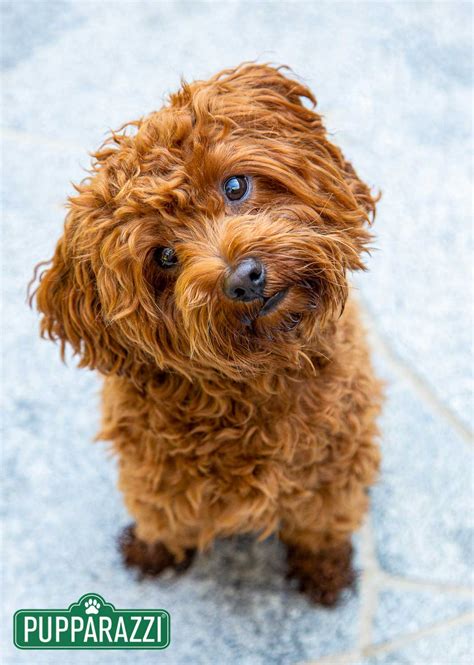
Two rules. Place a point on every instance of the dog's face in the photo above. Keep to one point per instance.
(217, 236)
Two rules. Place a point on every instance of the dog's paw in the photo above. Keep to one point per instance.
(322, 575)
(150, 560)
(92, 606)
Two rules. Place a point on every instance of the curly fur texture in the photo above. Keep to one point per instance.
(225, 421)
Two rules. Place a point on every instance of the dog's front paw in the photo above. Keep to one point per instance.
(322, 575)
(152, 559)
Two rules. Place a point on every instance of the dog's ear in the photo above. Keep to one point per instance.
(326, 180)
(354, 212)
(67, 294)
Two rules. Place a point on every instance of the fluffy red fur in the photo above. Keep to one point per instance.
(226, 420)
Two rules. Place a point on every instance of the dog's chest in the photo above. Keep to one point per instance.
(230, 449)
(216, 457)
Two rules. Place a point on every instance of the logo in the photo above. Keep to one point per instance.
(91, 623)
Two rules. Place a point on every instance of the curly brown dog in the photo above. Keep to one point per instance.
(203, 271)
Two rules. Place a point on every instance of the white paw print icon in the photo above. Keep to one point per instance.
(92, 606)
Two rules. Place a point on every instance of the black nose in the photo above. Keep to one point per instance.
(246, 281)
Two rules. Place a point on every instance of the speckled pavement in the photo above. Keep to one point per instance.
(394, 83)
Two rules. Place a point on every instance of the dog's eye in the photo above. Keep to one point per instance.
(166, 257)
(236, 187)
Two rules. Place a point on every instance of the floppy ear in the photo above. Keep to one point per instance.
(290, 93)
(67, 295)
(359, 190)
(350, 206)
(324, 180)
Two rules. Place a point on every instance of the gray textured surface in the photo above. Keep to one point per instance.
(394, 83)
(402, 612)
(423, 519)
(451, 646)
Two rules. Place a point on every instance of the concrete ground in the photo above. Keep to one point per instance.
(393, 81)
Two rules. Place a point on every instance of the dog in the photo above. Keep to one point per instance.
(203, 271)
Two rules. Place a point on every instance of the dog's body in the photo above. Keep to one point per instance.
(237, 396)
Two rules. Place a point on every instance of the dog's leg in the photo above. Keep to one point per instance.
(322, 575)
(158, 539)
(317, 532)
(151, 558)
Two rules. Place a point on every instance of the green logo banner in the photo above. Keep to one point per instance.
(91, 623)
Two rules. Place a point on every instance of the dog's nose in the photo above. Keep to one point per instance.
(246, 281)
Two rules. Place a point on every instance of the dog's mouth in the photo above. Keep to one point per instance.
(271, 303)
(268, 305)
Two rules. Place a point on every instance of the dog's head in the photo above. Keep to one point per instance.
(218, 234)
